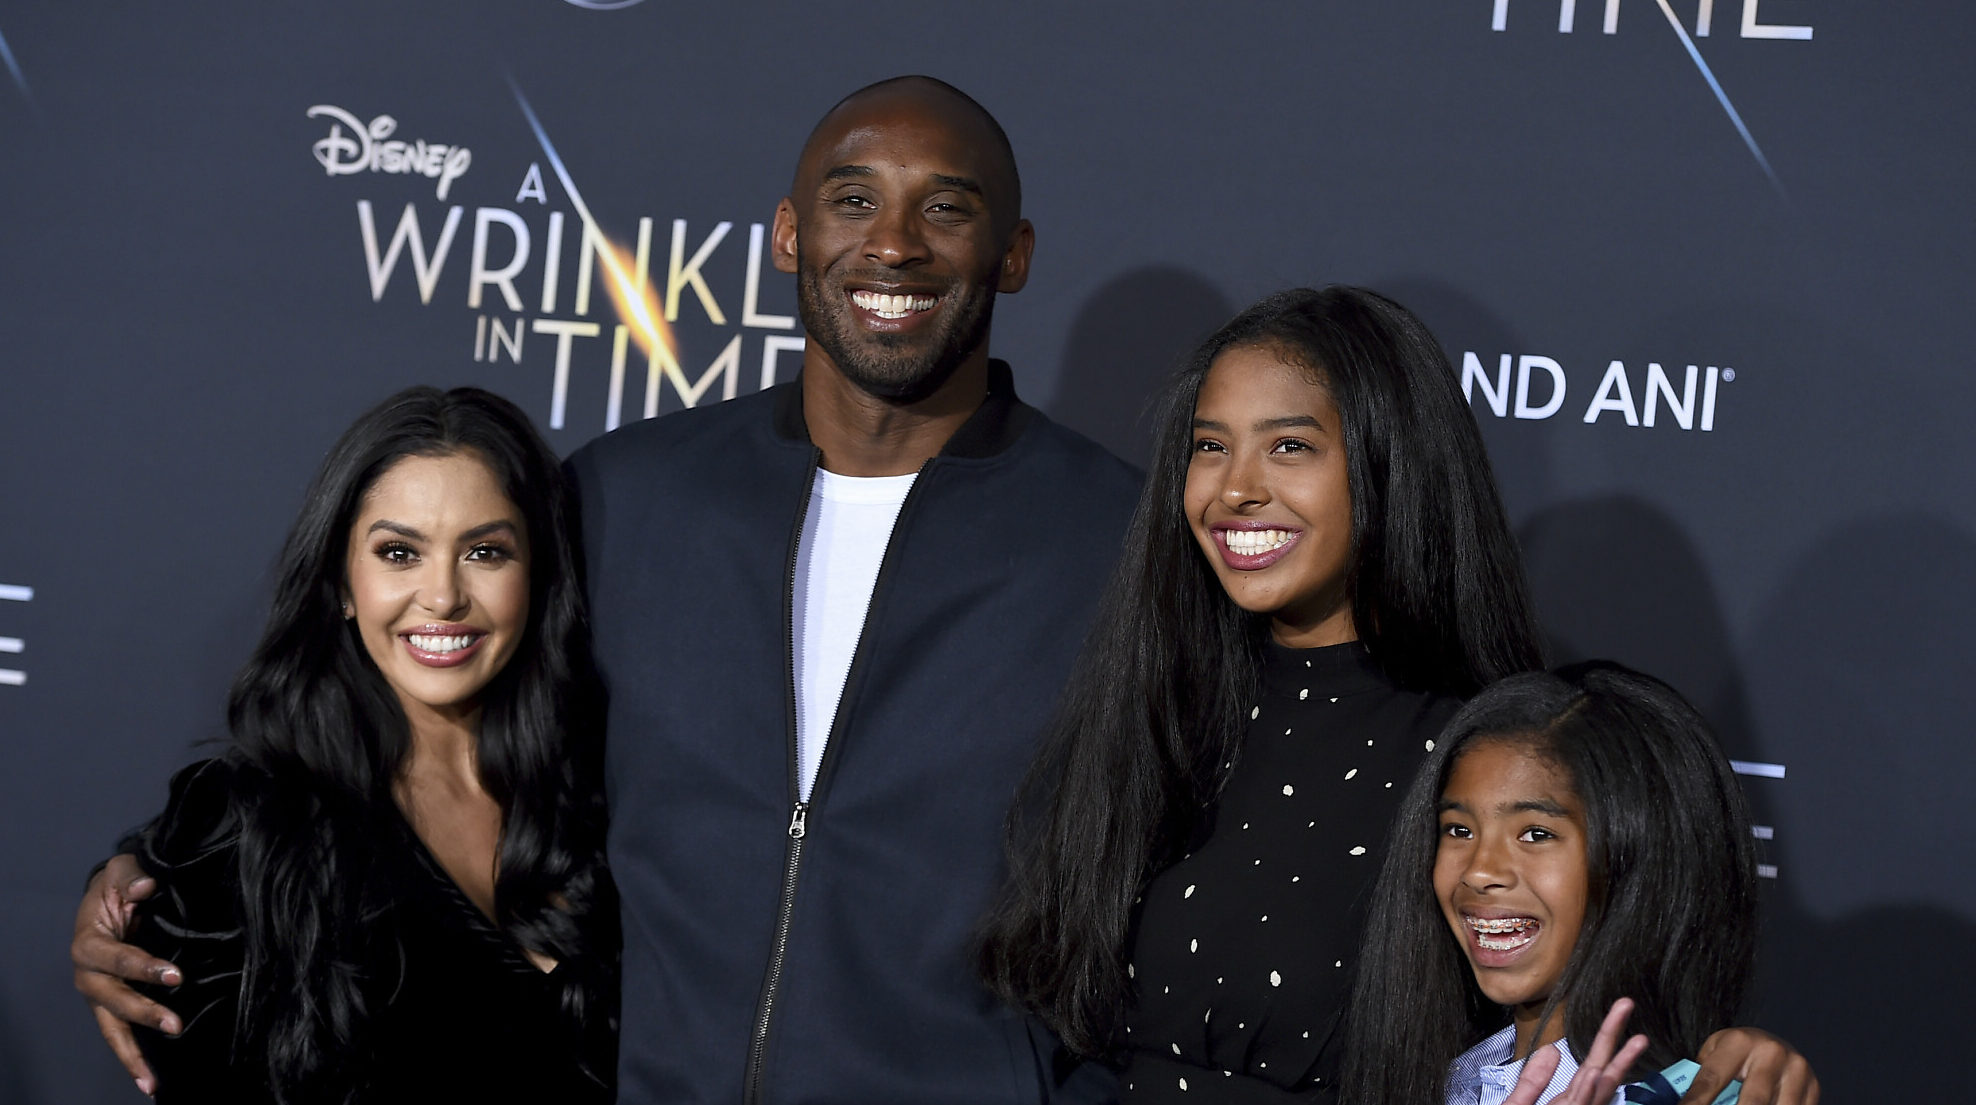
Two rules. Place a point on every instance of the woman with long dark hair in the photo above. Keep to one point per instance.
(390, 886)
(1319, 571)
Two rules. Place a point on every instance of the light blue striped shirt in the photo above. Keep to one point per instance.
(1485, 1074)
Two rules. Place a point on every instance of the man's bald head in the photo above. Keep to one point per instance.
(922, 97)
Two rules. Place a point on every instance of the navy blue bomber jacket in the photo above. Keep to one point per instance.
(794, 953)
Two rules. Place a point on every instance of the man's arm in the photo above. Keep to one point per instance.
(105, 964)
(1771, 1070)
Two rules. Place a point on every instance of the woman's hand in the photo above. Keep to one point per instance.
(104, 961)
(1598, 1077)
(1771, 1070)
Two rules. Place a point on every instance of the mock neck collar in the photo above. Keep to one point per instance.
(992, 428)
(1332, 669)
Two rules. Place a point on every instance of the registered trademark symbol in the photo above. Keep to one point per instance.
(1728, 375)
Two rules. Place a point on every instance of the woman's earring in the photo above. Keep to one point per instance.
(348, 612)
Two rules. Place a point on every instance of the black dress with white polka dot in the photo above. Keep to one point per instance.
(1243, 950)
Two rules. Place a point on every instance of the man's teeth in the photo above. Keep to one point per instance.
(1502, 934)
(893, 306)
(427, 643)
(1254, 542)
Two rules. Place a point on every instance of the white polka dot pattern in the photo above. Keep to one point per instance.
(1255, 901)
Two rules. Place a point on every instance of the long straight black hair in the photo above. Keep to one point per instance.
(1153, 709)
(1670, 911)
(319, 738)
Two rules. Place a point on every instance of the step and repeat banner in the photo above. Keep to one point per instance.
(1705, 268)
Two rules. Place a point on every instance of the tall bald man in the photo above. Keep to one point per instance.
(833, 618)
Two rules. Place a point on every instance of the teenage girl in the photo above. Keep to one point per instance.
(1575, 838)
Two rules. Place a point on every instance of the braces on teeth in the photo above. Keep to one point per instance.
(1504, 924)
(1503, 934)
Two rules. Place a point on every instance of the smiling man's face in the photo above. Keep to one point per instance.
(901, 228)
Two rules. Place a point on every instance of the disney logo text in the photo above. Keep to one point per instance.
(366, 149)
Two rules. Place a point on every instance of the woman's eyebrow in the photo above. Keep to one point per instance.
(499, 525)
(399, 528)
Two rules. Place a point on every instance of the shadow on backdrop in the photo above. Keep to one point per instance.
(1874, 735)
(1617, 579)
(1520, 459)
(1862, 968)
(1126, 339)
(13, 1061)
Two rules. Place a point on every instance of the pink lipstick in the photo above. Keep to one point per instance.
(1249, 546)
(442, 646)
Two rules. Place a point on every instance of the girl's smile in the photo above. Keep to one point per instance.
(1267, 494)
(1510, 875)
(1497, 941)
(1251, 546)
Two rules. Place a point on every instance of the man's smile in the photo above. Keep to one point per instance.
(893, 306)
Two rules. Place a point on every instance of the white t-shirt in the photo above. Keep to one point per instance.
(844, 537)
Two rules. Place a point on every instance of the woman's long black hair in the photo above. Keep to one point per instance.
(1670, 912)
(319, 738)
(1153, 709)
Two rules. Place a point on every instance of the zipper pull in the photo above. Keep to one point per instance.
(798, 823)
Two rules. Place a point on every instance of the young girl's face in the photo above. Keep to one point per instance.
(1510, 874)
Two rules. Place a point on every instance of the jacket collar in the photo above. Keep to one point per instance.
(992, 428)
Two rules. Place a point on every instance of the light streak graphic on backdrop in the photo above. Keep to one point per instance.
(14, 677)
(637, 304)
(14, 67)
(1721, 97)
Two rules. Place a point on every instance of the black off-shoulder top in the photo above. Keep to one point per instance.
(457, 1012)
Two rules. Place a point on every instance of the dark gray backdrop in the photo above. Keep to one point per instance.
(189, 320)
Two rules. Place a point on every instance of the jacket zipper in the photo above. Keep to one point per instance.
(758, 1050)
(799, 808)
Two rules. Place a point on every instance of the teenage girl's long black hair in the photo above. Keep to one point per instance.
(1670, 912)
(319, 738)
(1153, 709)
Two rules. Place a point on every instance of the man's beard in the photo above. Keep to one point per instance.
(895, 367)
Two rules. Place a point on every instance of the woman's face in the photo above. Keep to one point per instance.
(1510, 874)
(438, 581)
(1267, 495)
